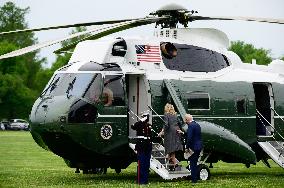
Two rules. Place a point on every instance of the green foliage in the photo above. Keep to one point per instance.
(18, 85)
(247, 52)
(13, 18)
(24, 164)
(282, 58)
(10, 65)
(15, 97)
(61, 60)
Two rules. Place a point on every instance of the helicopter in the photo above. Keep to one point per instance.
(85, 111)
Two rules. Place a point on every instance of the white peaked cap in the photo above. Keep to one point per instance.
(146, 113)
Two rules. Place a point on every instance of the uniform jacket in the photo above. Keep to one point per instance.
(194, 136)
(143, 129)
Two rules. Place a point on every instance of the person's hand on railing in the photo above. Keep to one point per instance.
(161, 133)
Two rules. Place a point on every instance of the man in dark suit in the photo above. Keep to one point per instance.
(195, 144)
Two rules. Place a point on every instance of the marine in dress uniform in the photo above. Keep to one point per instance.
(143, 148)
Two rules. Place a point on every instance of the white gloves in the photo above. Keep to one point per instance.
(143, 119)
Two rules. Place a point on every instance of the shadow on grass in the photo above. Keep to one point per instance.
(154, 178)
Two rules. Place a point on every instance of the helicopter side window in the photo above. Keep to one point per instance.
(119, 48)
(82, 112)
(198, 101)
(94, 89)
(89, 87)
(94, 66)
(195, 59)
(241, 105)
(113, 92)
(168, 50)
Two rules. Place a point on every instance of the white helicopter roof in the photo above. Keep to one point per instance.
(100, 51)
(210, 38)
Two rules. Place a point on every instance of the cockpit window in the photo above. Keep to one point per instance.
(87, 86)
(78, 84)
(52, 85)
(195, 59)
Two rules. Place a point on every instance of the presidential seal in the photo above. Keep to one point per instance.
(106, 132)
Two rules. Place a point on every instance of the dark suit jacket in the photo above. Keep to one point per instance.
(194, 136)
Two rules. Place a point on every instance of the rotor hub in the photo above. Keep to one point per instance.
(177, 15)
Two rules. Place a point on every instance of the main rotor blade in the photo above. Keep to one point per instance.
(266, 20)
(111, 31)
(99, 32)
(67, 26)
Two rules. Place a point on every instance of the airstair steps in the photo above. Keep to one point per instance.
(275, 149)
(159, 164)
(279, 146)
(175, 97)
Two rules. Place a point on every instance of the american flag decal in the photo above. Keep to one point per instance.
(148, 53)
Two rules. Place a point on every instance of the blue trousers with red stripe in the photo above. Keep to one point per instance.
(143, 166)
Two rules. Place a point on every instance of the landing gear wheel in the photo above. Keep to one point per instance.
(105, 171)
(117, 170)
(101, 170)
(77, 171)
(204, 172)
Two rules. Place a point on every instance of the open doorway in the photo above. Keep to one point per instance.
(264, 101)
(138, 99)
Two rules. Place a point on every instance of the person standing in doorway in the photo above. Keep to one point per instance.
(194, 143)
(143, 147)
(171, 132)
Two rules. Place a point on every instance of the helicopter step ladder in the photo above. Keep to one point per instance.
(175, 97)
(160, 165)
(274, 148)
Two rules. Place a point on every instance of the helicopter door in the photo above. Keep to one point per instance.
(113, 113)
(138, 98)
(264, 101)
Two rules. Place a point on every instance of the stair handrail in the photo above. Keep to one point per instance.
(270, 125)
(265, 126)
(156, 113)
(277, 113)
(282, 147)
(129, 110)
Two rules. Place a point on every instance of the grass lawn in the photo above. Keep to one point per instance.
(24, 164)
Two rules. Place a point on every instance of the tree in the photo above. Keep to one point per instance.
(282, 58)
(15, 98)
(18, 88)
(10, 65)
(247, 52)
(13, 18)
